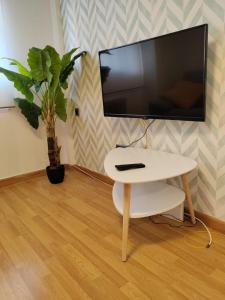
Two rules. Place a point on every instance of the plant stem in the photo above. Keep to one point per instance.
(53, 149)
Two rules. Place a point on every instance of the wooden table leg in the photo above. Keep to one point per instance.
(188, 197)
(126, 213)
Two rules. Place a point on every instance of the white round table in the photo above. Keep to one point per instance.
(141, 193)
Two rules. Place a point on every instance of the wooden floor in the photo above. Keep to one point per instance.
(64, 242)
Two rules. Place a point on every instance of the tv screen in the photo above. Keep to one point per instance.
(158, 78)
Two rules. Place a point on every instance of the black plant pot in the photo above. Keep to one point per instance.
(55, 174)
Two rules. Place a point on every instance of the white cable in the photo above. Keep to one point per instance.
(204, 225)
(206, 228)
(140, 138)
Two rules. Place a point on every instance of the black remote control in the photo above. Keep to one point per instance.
(129, 166)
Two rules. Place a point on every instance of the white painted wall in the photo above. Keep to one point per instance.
(27, 23)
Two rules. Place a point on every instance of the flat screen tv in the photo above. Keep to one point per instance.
(159, 78)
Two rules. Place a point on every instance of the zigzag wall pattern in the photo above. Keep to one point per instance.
(100, 24)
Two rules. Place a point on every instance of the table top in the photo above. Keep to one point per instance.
(159, 165)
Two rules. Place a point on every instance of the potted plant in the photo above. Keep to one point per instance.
(42, 86)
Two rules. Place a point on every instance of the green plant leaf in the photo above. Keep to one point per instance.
(37, 85)
(68, 70)
(39, 62)
(22, 70)
(55, 67)
(30, 110)
(60, 104)
(65, 74)
(21, 82)
(44, 104)
(67, 58)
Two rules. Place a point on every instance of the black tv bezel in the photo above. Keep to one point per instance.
(163, 117)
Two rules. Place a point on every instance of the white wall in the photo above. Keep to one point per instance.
(28, 23)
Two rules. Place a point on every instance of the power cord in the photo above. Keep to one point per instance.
(169, 224)
(140, 138)
(184, 225)
(206, 228)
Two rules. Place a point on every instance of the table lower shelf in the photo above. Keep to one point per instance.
(148, 199)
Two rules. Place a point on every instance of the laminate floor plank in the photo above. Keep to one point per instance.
(63, 242)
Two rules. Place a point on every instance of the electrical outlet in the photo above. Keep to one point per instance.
(77, 112)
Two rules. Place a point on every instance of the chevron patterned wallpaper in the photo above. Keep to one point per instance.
(100, 24)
